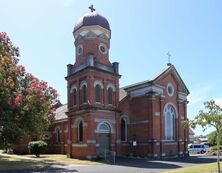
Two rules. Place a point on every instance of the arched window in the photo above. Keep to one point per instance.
(58, 135)
(80, 132)
(170, 114)
(74, 96)
(123, 129)
(84, 94)
(104, 128)
(110, 95)
(98, 93)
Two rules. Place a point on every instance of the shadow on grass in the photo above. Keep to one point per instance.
(45, 159)
(48, 170)
(19, 165)
(9, 163)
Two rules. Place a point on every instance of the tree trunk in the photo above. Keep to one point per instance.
(218, 151)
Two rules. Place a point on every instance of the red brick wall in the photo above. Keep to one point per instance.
(22, 147)
(94, 75)
(92, 46)
(151, 108)
(58, 146)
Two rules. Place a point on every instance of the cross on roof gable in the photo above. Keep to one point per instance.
(158, 77)
(167, 70)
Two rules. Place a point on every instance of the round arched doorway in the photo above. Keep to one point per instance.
(104, 131)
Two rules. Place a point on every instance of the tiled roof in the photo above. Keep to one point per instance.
(148, 82)
(122, 94)
(136, 84)
(60, 112)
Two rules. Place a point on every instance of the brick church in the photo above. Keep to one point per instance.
(143, 119)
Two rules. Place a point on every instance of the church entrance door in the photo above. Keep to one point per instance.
(104, 138)
(104, 141)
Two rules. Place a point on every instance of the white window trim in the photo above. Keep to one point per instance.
(106, 122)
(83, 83)
(77, 120)
(72, 88)
(105, 46)
(176, 116)
(110, 85)
(170, 85)
(98, 82)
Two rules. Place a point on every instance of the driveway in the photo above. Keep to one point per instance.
(127, 165)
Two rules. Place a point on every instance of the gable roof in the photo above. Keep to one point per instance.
(122, 94)
(150, 82)
(60, 112)
(168, 69)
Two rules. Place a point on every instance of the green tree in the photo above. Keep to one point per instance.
(8, 78)
(25, 101)
(211, 116)
(212, 138)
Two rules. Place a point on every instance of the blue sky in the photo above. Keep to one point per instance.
(143, 31)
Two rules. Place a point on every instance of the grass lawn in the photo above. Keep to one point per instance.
(203, 168)
(61, 159)
(14, 163)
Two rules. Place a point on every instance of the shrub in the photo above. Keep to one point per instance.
(214, 148)
(37, 147)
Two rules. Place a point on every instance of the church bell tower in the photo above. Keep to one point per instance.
(92, 89)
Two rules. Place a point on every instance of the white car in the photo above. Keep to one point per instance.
(197, 148)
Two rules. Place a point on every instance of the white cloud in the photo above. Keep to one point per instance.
(199, 95)
(205, 91)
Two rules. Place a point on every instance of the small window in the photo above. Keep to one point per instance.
(170, 89)
(104, 128)
(98, 93)
(110, 96)
(58, 135)
(74, 97)
(123, 129)
(79, 49)
(84, 94)
(80, 132)
(103, 48)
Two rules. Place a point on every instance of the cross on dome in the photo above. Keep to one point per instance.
(91, 8)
